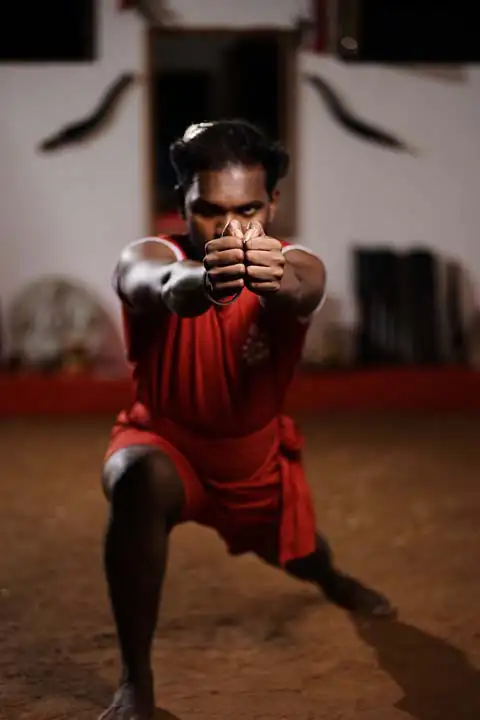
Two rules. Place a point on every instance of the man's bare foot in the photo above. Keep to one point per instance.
(352, 595)
(131, 703)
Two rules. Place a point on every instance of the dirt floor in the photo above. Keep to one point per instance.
(400, 500)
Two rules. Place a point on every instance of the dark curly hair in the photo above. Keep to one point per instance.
(217, 145)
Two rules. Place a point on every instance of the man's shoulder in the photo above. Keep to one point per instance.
(288, 245)
(181, 241)
(178, 243)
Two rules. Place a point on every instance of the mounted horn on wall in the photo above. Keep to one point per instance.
(85, 128)
(155, 12)
(347, 119)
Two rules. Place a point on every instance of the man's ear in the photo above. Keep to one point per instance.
(180, 196)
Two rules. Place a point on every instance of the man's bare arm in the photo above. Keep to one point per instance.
(149, 276)
(302, 286)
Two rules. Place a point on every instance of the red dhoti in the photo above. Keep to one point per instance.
(252, 490)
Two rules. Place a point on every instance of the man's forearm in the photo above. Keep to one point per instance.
(301, 290)
(184, 289)
(147, 285)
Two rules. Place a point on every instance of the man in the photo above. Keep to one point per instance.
(215, 324)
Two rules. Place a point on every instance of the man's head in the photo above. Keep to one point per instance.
(226, 170)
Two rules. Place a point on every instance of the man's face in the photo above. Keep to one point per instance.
(216, 197)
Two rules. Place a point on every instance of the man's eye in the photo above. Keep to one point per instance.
(249, 212)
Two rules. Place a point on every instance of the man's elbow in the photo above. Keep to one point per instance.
(314, 282)
(320, 277)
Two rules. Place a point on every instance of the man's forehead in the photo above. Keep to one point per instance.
(238, 182)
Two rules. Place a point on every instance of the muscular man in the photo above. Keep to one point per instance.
(215, 324)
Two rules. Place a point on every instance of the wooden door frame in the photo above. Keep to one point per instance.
(291, 103)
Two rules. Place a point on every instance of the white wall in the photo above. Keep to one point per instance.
(352, 191)
(236, 13)
(72, 211)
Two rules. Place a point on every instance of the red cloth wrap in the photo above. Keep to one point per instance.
(251, 489)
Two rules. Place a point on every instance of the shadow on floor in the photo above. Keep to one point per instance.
(437, 679)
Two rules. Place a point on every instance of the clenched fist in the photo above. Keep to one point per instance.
(224, 262)
(243, 259)
(264, 261)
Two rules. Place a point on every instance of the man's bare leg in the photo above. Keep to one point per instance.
(146, 498)
(341, 589)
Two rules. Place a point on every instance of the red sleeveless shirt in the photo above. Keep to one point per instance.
(222, 374)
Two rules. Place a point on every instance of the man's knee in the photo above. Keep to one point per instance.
(143, 479)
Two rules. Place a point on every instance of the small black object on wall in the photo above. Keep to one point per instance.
(377, 278)
(420, 290)
(399, 307)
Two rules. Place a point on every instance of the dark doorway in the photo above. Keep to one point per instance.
(202, 76)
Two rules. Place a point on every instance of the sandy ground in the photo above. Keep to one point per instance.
(399, 499)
